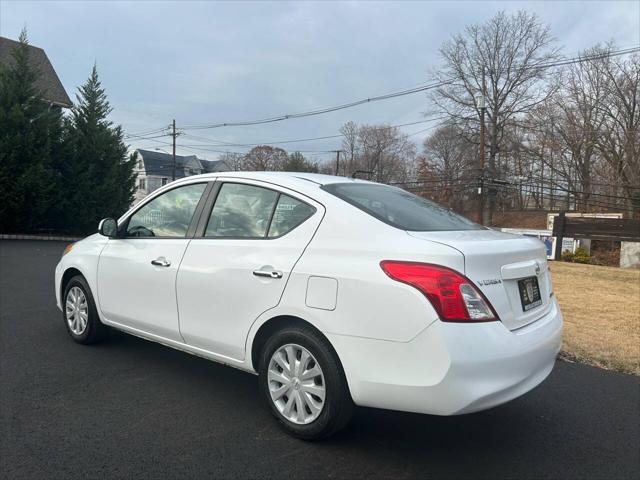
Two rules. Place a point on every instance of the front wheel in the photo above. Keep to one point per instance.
(302, 381)
(80, 314)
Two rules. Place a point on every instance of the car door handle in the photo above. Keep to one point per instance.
(268, 273)
(161, 262)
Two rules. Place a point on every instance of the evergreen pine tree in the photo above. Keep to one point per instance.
(297, 162)
(30, 137)
(99, 173)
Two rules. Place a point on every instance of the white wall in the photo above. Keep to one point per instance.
(629, 254)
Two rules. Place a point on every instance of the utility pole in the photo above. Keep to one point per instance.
(482, 103)
(174, 135)
(552, 190)
(337, 161)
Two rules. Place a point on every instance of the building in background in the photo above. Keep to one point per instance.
(47, 81)
(155, 169)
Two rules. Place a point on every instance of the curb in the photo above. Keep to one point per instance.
(4, 236)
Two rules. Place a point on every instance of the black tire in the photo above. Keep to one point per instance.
(95, 330)
(338, 405)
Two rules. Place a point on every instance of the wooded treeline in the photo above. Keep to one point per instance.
(562, 132)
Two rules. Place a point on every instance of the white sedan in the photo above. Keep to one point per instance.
(336, 292)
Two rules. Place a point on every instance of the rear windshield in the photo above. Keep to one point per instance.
(400, 208)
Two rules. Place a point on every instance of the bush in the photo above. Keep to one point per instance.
(580, 256)
(605, 252)
(567, 256)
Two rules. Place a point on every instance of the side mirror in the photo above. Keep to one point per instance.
(108, 227)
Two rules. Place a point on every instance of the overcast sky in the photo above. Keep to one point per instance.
(210, 62)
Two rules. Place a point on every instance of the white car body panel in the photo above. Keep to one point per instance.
(137, 294)
(451, 368)
(493, 255)
(395, 351)
(368, 300)
(218, 295)
(84, 258)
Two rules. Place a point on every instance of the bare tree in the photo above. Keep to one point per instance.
(619, 144)
(384, 152)
(265, 157)
(579, 120)
(586, 136)
(233, 160)
(350, 146)
(506, 57)
(446, 168)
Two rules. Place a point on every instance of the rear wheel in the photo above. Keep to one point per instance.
(302, 381)
(80, 314)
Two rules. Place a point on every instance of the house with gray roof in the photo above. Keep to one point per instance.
(155, 169)
(47, 81)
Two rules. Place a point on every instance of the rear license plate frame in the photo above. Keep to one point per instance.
(530, 296)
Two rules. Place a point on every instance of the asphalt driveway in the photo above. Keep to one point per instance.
(131, 408)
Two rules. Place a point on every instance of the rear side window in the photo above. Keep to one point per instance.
(242, 211)
(400, 208)
(288, 215)
(249, 211)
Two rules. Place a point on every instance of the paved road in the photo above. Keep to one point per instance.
(131, 408)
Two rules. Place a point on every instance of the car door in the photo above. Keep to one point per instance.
(137, 273)
(239, 265)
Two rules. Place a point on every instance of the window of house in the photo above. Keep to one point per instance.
(164, 181)
(168, 215)
(142, 183)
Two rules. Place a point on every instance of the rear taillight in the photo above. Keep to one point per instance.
(453, 296)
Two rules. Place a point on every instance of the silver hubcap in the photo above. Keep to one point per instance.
(76, 310)
(296, 384)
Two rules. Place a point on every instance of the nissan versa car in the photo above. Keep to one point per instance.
(336, 292)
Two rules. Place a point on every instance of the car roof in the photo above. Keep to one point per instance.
(285, 179)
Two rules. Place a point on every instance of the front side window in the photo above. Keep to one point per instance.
(168, 215)
(241, 211)
(400, 208)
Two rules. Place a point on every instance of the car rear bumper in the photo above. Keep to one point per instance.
(451, 368)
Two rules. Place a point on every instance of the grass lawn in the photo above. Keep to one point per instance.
(601, 308)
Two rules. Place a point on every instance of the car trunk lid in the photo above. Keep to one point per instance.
(506, 269)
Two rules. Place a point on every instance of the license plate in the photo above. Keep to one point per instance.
(529, 293)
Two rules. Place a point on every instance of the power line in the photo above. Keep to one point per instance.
(200, 147)
(147, 138)
(560, 198)
(588, 58)
(518, 188)
(320, 111)
(301, 140)
(400, 93)
(147, 132)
